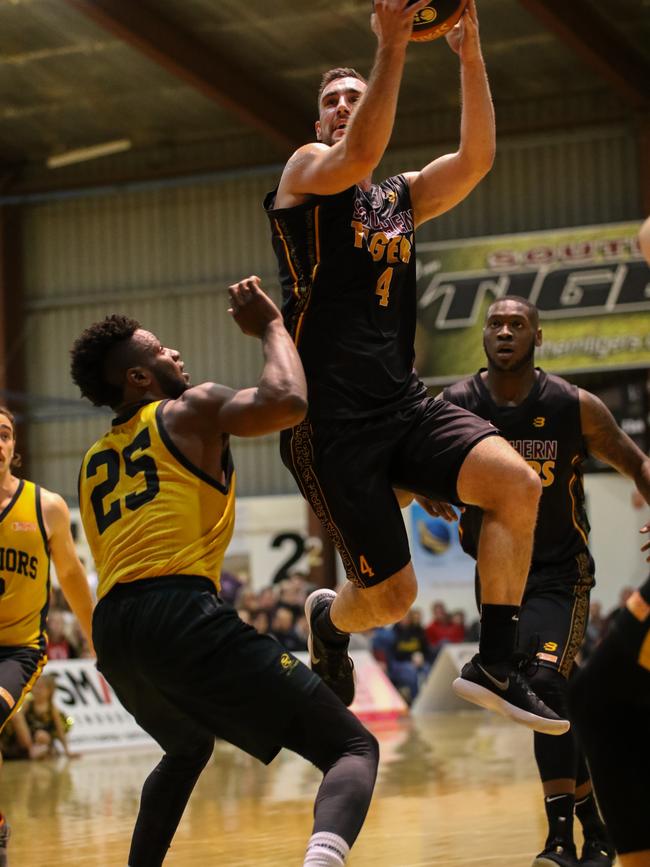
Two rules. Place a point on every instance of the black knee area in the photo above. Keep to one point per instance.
(557, 757)
(188, 765)
(552, 688)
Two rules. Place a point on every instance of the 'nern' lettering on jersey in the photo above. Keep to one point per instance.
(347, 269)
(546, 431)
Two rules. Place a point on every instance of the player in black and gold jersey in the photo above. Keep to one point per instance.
(34, 530)
(346, 250)
(554, 425)
(157, 499)
(610, 703)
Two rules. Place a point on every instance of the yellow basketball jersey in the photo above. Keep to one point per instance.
(146, 510)
(24, 570)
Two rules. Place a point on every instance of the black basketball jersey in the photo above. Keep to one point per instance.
(347, 270)
(545, 429)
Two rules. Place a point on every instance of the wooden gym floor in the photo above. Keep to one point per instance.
(454, 790)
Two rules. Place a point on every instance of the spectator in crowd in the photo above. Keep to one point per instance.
(58, 644)
(282, 629)
(261, 621)
(40, 729)
(409, 655)
(231, 586)
(443, 629)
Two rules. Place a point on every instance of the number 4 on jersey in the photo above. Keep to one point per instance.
(365, 567)
(383, 287)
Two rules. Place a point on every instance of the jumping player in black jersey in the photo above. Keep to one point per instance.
(609, 700)
(346, 252)
(157, 500)
(553, 425)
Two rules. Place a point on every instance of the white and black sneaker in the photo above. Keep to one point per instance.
(506, 691)
(330, 661)
(558, 853)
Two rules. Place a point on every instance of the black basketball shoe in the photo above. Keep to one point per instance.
(558, 853)
(330, 661)
(505, 690)
(597, 853)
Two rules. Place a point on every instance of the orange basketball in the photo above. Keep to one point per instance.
(436, 19)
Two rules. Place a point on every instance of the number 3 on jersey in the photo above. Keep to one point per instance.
(383, 287)
(107, 514)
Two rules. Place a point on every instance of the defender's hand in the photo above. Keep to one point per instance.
(392, 20)
(646, 547)
(251, 307)
(438, 509)
(463, 39)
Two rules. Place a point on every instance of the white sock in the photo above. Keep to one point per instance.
(326, 850)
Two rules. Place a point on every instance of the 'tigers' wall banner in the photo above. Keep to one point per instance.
(591, 285)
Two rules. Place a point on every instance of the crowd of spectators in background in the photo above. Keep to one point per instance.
(406, 650)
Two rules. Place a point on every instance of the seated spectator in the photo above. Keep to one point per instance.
(58, 644)
(409, 655)
(444, 627)
(458, 632)
(39, 729)
(231, 586)
(282, 629)
(261, 622)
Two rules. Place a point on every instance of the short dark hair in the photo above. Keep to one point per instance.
(337, 72)
(531, 310)
(16, 460)
(89, 353)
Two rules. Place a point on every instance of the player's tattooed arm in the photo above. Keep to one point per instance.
(606, 441)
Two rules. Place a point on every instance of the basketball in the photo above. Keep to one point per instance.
(436, 19)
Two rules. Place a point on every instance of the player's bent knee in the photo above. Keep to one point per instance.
(394, 597)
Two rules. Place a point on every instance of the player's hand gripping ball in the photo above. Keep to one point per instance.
(436, 19)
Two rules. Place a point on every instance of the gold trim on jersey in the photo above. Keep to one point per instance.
(575, 478)
(40, 665)
(302, 455)
(579, 614)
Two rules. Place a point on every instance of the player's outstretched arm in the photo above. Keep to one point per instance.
(606, 441)
(69, 570)
(447, 180)
(277, 402)
(323, 169)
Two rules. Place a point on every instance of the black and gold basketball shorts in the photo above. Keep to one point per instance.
(20, 668)
(347, 470)
(555, 611)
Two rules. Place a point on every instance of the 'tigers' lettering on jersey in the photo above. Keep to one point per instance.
(389, 236)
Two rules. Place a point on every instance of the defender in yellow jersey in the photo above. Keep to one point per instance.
(157, 495)
(34, 530)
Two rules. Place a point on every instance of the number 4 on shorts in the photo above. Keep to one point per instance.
(365, 567)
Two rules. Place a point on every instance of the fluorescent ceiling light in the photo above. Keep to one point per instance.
(80, 155)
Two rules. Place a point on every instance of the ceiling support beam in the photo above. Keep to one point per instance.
(583, 28)
(13, 323)
(180, 54)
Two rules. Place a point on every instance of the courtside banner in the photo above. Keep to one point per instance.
(591, 285)
(99, 720)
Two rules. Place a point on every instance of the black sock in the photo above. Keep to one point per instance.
(498, 633)
(326, 629)
(559, 812)
(589, 816)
